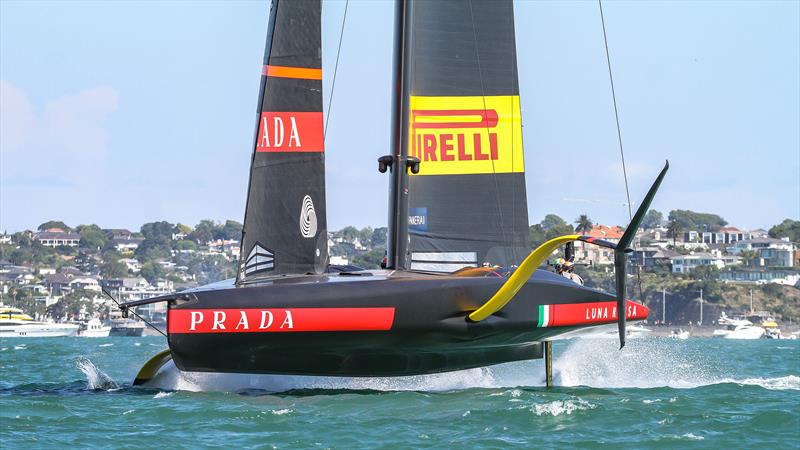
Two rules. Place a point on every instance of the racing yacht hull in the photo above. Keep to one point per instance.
(378, 323)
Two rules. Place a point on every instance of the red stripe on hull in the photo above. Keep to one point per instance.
(593, 313)
(277, 320)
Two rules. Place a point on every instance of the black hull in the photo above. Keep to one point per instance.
(427, 331)
(126, 332)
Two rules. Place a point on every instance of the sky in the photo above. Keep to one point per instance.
(121, 113)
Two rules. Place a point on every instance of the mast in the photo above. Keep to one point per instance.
(397, 242)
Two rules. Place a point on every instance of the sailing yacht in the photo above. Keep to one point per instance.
(461, 287)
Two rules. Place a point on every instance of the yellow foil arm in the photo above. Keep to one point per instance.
(519, 277)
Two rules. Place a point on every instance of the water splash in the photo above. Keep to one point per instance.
(644, 363)
(96, 379)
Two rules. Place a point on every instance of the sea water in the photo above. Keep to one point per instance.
(655, 393)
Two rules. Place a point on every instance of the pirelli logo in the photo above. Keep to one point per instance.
(466, 135)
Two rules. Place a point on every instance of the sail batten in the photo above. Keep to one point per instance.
(285, 229)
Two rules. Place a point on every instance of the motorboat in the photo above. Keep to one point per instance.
(15, 323)
(122, 326)
(94, 328)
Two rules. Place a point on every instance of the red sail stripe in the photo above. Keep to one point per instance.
(593, 313)
(292, 72)
(290, 132)
(487, 118)
(275, 320)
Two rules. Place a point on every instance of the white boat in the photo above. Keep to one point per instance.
(680, 334)
(121, 326)
(15, 323)
(741, 331)
(94, 328)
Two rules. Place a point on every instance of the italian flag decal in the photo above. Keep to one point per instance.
(544, 316)
(593, 313)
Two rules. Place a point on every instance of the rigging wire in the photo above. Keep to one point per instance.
(335, 69)
(122, 308)
(616, 113)
(619, 136)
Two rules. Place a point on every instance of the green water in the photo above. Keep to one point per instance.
(656, 393)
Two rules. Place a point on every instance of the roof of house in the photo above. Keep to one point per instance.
(729, 230)
(69, 270)
(57, 278)
(605, 232)
(56, 235)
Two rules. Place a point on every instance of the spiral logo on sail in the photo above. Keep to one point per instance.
(308, 218)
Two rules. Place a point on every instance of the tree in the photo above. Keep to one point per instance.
(674, 228)
(185, 245)
(365, 236)
(349, 233)
(152, 271)
(691, 220)
(155, 230)
(536, 235)
(788, 228)
(53, 224)
(92, 237)
(181, 228)
(112, 268)
(370, 260)
(232, 230)
(22, 239)
(706, 272)
(652, 219)
(203, 232)
(553, 221)
(583, 224)
(379, 236)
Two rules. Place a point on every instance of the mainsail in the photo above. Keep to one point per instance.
(285, 228)
(467, 205)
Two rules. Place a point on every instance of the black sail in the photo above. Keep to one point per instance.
(285, 228)
(467, 205)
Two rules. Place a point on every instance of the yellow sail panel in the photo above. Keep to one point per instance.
(466, 135)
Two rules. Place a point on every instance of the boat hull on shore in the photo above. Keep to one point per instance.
(377, 323)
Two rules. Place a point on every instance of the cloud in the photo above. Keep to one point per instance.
(61, 142)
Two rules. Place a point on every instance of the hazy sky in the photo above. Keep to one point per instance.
(120, 113)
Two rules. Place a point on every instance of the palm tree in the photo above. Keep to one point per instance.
(674, 228)
(583, 224)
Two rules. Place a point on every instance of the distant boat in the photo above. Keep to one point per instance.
(94, 328)
(738, 329)
(121, 326)
(15, 323)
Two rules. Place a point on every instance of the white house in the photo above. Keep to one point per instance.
(687, 263)
(56, 237)
(771, 252)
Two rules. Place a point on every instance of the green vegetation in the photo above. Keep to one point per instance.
(652, 219)
(551, 226)
(788, 228)
(691, 220)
